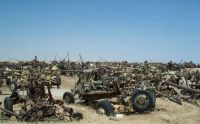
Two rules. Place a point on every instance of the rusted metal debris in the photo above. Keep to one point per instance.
(36, 104)
(94, 89)
(185, 77)
(99, 80)
(18, 79)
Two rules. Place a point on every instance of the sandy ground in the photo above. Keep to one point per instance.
(166, 112)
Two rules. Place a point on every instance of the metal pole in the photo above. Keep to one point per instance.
(181, 87)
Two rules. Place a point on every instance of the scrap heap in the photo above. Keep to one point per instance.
(175, 81)
(37, 104)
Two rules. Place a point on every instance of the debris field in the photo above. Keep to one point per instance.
(115, 91)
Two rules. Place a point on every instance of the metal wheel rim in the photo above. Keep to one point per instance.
(67, 99)
(12, 87)
(142, 100)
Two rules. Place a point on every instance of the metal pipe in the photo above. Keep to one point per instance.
(29, 111)
(181, 87)
(173, 99)
(9, 112)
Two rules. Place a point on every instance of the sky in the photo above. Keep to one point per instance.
(100, 30)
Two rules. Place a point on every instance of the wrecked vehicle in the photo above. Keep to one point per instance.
(110, 95)
(20, 80)
(37, 104)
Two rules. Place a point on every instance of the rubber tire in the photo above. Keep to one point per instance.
(140, 108)
(153, 95)
(77, 116)
(8, 105)
(108, 108)
(58, 81)
(14, 83)
(71, 97)
(8, 81)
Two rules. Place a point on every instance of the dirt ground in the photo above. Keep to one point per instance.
(166, 112)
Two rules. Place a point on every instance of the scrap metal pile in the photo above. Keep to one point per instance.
(37, 103)
(175, 81)
(18, 78)
(30, 84)
(134, 85)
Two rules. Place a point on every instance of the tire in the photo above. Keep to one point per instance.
(106, 107)
(13, 86)
(27, 118)
(77, 116)
(153, 95)
(58, 81)
(142, 100)
(68, 98)
(8, 81)
(8, 105)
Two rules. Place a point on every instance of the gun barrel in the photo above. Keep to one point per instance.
(181, 87)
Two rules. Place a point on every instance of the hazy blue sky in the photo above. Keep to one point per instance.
(133, 30)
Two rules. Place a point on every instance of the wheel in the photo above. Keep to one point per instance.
(68, 98)
(58, 81)
(53, 81)
(105, 108)
(142, 100)
(77, 116)
(13, 86)
(8, 81)
(153, 95)
(8, 105)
